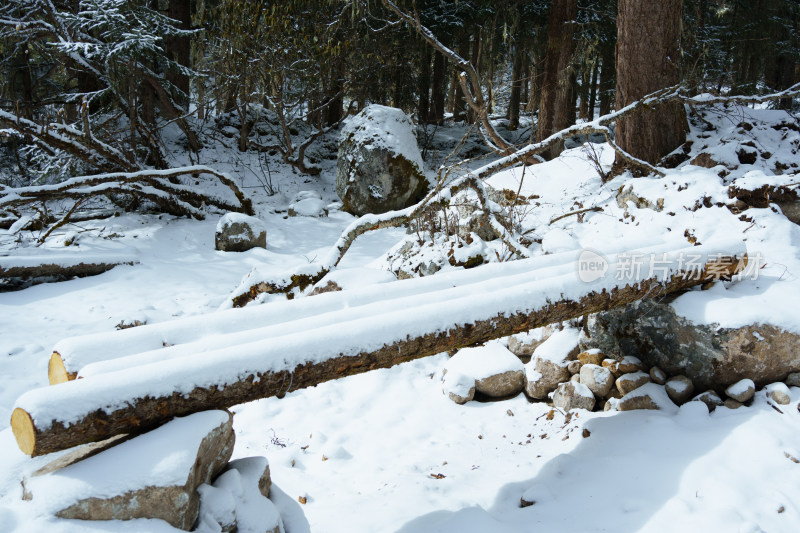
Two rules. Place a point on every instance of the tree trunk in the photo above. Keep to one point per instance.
(178, 48)
(555, 109)
(593, 90)
(607, 80)
(459, 100)
(584, 91)
(438, 89)
(517, 79)
(648, 59)
(423, 89)
(136, 409)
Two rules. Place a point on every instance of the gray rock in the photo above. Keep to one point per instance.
(572, 395)
(741, 391)
(599, 380)
(711, 357)
(238, 233)
(379, 166)
(492, 369)
(658, 376)
(679, 389)
(779, 393)
(502, 385)
(629, 382)
(710, 398)
(793, 380)
(732, 404)
(153, 475)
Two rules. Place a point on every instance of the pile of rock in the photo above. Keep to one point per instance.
(179, 473)
(572, 379)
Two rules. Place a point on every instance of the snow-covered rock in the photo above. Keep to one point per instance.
(658, 376)
(679, 389)
(632, 381)
(574, 367)
(571, 395)
(238, 233)
(741, 391)
(153, 475)
(238, 499)
(523, 344)
(710, 398)
(648, 396)
(778, 393)
(591, 357)
(496, 371)
(597, 378)
(308, 207)
(458, 387)
(548, 366)
(379, 165)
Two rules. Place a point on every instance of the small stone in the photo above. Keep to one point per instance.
(793, 380)
(710, 398)
(648, 396)
(574, 367)
(586, 433)
(630, 364)
(576, 378)
(598, 379)
(741, 391)
(459, 387)
(779, 393)
(679, 389)
(612, 365)
(658, 376)
(238, 233)
(629, 382)
(591, 357)
(571, 395)
(732, 404)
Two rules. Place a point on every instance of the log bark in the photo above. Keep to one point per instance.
(137, 411)
(19, 277)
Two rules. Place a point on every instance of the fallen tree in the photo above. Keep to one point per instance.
(134, 400)
(308, 274)
(27, 270)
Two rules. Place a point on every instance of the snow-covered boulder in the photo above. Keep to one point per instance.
(710, 398)
(238, 499)
(591, 357)
(741, 391)
(458, 387)
(153, 475)
(679, 389)
(308, 204)
(778, 393)
(598, 379)
(523, 344)
(648, 396)
(632, 381)
(238, 233)
(379, 165)
(496, 371)
(571, 395)
(657, 375)
(548, 365)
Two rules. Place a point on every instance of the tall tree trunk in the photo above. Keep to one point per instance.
(555, 108)
(472, 116)
(593, 90)
(517, 80)
(423, 89)
(584, 91)
(648, 58)
(334, 111)
(459, 100)
(438, 89)
(607, 80)
(179, 48)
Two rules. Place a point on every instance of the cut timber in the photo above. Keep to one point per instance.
(138, 399)
(207, 332)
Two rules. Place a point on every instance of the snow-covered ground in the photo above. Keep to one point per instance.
(386, 450)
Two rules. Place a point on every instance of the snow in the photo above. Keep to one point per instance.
(309, 207)
(387, 431)
(482, 362)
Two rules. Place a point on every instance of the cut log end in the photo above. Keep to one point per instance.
(22, 426)
(57, 371)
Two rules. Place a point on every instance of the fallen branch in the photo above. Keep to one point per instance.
(133, 401)
(571, 213)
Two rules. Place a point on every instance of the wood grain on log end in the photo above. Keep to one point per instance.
(22, 426)
(57, 371)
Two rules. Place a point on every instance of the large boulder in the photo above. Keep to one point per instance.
(549, 365)
(238, 233)
(379, 167)
(153, 475)
(712, 357)
(571, 395)
(496, 372)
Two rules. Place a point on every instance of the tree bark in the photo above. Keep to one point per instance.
(38, 433)
(438, 89)
(607, 80)
(517, 80)
(648, 59)
(555, 108)
(424, 86)
(178, 48)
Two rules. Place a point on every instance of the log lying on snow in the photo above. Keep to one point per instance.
(59, 267)
(206, 332)
(137, 399)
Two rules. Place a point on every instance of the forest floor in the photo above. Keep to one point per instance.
(387, 450)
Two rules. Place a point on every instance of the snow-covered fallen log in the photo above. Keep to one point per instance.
(137, 399)
(206, 332)
(60, 266)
